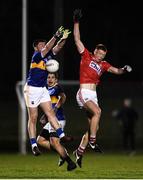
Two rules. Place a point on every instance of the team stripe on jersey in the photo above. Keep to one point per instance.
(40, 65)
(54, 99)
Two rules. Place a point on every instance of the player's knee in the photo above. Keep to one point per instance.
(33, 119)
(54, 142)
(98, 112)
(50, 113)
(39, 140)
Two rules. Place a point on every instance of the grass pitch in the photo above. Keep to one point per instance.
(95, 166)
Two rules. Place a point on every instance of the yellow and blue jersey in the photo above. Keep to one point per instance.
(54, 92)
(37, 75)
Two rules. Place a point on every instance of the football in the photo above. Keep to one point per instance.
(52, 65)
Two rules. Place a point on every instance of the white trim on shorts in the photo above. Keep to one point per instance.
(34, 96)
(84, 95)
(49, 127)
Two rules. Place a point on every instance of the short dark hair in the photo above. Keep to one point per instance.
(55, 73)
(102, 47)
(36, 42)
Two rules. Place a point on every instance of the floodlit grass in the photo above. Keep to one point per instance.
(95, 166)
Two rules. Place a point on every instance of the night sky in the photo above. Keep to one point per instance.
(113, 23)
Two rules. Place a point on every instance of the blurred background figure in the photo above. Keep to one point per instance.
(127, 117)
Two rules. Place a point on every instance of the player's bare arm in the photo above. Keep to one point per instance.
(48, 46)
(115, 70)
(76, 18)
(52, 41)
(78, 42)
(62, 41)
(61, 100)
(119, 71)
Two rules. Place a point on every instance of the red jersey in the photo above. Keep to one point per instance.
(90, 70)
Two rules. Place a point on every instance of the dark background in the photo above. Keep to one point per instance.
(117, 24)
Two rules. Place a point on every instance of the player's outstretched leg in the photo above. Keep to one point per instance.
(78, 153)
(71, 164)
(78, 158)
(64, 156)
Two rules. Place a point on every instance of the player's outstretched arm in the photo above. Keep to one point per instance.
(76, 32)
(77, 15)
(52, 41)
(119, 71)
(62, 41)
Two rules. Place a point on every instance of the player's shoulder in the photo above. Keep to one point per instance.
(105, 62)
(56, 86)
(105, 65)
(36, 56)
(60, 87)
(86, 52)
(36, 53)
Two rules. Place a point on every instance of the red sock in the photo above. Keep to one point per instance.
(80, 150)
(92, 139)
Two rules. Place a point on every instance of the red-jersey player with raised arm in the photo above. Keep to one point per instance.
(92, 66)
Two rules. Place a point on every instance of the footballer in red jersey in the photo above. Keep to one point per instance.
(92, 66)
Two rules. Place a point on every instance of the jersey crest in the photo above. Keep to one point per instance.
(95, 66)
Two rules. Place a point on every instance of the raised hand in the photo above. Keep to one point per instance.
(77, 15)
(127, 68)
(59, 32)
(66, 33)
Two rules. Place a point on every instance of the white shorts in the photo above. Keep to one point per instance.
(51, 129)
(84, 95)
(35, 95)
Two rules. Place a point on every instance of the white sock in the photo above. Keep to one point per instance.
(33, 145)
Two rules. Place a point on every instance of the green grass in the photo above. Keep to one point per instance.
(95, 166)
